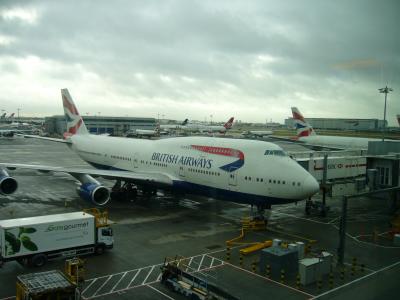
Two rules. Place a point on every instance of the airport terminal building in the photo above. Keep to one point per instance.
(101, 124)
(341, 124)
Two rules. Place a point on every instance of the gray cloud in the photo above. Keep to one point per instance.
(190, 58)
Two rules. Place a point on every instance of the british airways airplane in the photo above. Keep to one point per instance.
(307, 135)
(244, 171)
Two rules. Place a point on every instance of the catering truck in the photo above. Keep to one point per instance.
(32, 241)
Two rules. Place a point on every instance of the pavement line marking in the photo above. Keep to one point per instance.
(148, 274)
(212, 261)
(165, 295)
(221, 261)
(138, 270)
(357, 280)
(140, 285)
(278, 283)
(368, 269)
(93, 281)
(201, 262)
(190, 262)
(112, 290)
(357, 240)
(333, 220)
(304, 219)
(134, 277)
(105, 282)
(337, 228)
(192, 257)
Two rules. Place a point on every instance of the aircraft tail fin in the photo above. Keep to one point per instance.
(75, 123)
(228, 125)
(185, 122)
(3, 116)
(398, 119)
(11, 116)
(303, 128)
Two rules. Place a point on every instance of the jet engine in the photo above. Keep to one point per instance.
(91, 190)
(8, 185)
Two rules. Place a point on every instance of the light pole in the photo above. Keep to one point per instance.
(98, 124)
(386, 90)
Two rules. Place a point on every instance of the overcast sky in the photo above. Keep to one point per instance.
(192, 59)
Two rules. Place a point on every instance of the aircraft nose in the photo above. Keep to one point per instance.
(310, 186)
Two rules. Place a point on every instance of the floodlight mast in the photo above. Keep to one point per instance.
(386, 90)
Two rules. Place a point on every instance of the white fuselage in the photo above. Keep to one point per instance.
(172, 127)
(203, 128)
(259, 133)
(338, 141)
(144, 132)
(237, 170)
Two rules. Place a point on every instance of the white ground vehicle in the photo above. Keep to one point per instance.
(34, 240)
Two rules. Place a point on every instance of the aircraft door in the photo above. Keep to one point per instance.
(233, 178)
(135, 160)
(181, 171)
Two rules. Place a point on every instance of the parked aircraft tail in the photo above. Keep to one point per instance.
(185, 122)
(3, 116)
(75, 123)
(11, 116)
(228, 125)
(303, 128)
(398, 119)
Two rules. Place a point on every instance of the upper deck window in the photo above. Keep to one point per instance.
(275, 152)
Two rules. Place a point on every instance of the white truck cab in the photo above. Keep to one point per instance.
(105, 237)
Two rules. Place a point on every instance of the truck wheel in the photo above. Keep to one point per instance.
(99, 249)
(39, 260)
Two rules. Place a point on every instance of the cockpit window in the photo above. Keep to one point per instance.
(275, 152)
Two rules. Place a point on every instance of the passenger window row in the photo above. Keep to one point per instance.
(212, 173)
(121, 157)
(145, 162)
(273, 181)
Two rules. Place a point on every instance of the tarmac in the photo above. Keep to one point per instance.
(149, 229)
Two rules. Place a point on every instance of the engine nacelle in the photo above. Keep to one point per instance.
(8, 185)
(96, 193)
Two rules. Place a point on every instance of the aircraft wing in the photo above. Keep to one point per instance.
(135, 177)
(45, 138)
(315, 147)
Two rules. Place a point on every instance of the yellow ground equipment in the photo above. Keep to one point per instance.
(46, 285)
(252, 224)
(255, 247)
(74, 270)
(100, 216)
(248, 224)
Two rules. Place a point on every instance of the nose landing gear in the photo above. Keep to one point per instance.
(258, 220)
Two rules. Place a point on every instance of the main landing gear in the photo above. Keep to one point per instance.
(129, 191)
(124, 192)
